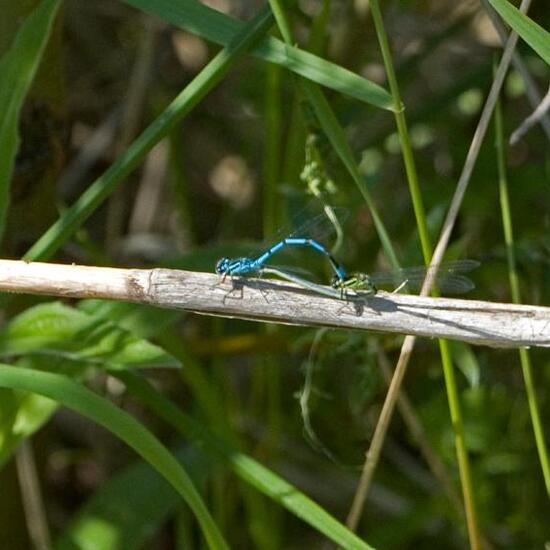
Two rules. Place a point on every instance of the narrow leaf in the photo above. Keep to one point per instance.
(17, 70)
(221, 29)
(83, 401)
(247, 468)
(531, 32)
(186, 100)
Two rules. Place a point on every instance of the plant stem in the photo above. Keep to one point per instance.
(450, 382)
(401, 122)
(31, 496)
(524, 355)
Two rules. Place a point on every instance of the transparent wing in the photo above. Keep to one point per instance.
(309, 222)
(318, 226)
(303, 228)
(448, 278)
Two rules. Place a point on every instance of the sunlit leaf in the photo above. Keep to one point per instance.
(59, 338)
(57, 330)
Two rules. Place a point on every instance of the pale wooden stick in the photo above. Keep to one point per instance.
(477, 322)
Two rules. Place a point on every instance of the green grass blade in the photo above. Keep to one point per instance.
(188, 98)
(221, 29)
(78, 398)
(248, 469)
(450, 382)
(335, 134)
(17, 70)
(401, 123)
(531, 32)
(422, 226)
(524, 355)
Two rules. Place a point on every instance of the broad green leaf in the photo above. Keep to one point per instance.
(63, 332)
(531, 32)
(141, 320)
(59, 338)
(129, 508)
(78, 398)
(221, 29)
(21, 414)
(17, 70)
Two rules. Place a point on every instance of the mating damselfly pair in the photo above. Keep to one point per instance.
(448, 276)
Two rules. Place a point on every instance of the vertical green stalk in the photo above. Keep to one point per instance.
(524, 356)
(460, 445)
(282, 20)
(401, 122)
(412, 177)
(272, 162)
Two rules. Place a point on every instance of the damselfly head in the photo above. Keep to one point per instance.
(222, 266)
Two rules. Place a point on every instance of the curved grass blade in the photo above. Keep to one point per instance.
(17, 70)
(244, 466)
(336, 135)
(85, 402)
(221, 29)
(54, 336)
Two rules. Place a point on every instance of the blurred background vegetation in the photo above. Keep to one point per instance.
(303, 404)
